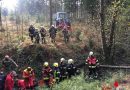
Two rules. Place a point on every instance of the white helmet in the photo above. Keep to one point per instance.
(36, 28)
(45, 64)
(62, 59)
(52, 25)
(90, 53)
(70, 61)
(41, 26)
(6, 56)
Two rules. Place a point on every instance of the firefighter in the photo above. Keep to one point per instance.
(71, 68)
(47, 73)
(43, 34)
(92, 62)
(37, 37)
(52, 32)
(9, 81)
(56, 72)
(31, 32)
(66, 34)
(8, 63)
(63, 69)
(2, 80)
(29, 77)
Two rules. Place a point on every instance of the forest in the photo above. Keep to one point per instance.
(36, 33)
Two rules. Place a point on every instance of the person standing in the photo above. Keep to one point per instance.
(8, 63)
(37, 36)
(92, 63)
(66, 35)
(29, 77)
(46, 73)
(9, 81)
(71, 68)
(43, 34)
(63, 69)
(52, 32)
(56, 72)
(31, 31)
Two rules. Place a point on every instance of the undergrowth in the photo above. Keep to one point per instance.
(79, 82)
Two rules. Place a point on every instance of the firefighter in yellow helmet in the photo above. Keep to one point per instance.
(29, 77)
(46, 73)
(56, 72)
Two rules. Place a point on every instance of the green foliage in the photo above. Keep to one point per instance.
(91, 6)
(71, 5)
(79, 83)
(40, 19)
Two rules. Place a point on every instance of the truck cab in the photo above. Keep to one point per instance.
(61, 20)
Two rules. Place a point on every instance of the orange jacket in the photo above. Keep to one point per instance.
(28, 74)
(21, 84)
(29, 77)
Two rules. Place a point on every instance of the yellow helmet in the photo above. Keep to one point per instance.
(55, 65)
(29, 68)
(45, 64)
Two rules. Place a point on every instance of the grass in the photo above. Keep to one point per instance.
(79, 83)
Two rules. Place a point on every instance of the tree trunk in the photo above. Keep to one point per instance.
(0, 17)
(112, 33)
(50, 12)
(107, 47)
(102, 25)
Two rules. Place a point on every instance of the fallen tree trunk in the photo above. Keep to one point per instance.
(104, 66)
(116, 67)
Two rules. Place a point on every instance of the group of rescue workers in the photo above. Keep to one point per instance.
(41, 34)
(65, 69)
